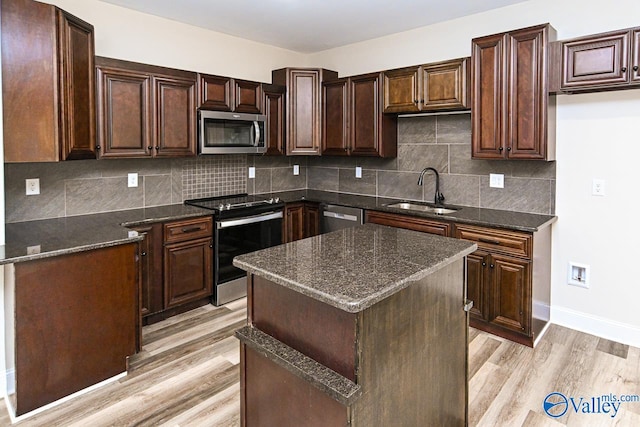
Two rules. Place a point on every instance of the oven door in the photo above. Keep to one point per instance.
(237, 236)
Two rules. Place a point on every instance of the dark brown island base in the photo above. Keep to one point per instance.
(365, 326)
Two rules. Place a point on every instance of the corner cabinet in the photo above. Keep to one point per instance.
(48, 79)
(303, 107)
(228, 94)
(430, 87)
(512, 115)
(352, 119)
(144, 110)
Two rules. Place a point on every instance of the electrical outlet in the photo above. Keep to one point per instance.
(496, 180)
(358, 172)
(132, 180)
(252, 172)
(296, 169)
(33, 186)
(598, 187)
(33, 250)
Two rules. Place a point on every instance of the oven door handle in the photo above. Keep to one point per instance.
(248, 220)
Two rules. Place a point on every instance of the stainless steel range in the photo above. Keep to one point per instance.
(243, 224)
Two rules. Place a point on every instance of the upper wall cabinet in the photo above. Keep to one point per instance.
(47, 83)
(430, 87)
(352, 119)
(604, 61)
(273, 96)
(303, 107)
(145, 111)
(227, 94)
(512, 115)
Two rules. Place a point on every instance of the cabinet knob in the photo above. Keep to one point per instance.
(422, 101)
(508, 148)
(491, 265)
(211, 246)
(415, 101)
(623, 69)
(157, 148)
(143, 254)
(484, 264)
(98, 147)
(635, 68)
(500, 149)
(150, 148)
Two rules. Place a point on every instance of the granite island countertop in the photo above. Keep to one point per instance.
(354, 268)
(30, 240)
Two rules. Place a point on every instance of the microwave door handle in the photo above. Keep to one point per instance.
(256, 128)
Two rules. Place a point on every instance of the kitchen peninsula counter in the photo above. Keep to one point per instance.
(364, 325)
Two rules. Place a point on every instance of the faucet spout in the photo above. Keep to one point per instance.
(438, 198)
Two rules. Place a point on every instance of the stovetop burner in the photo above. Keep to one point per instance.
(237, 202)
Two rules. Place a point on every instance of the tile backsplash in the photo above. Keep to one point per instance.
(441, 141)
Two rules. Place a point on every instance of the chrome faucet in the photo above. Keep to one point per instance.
(438, 198)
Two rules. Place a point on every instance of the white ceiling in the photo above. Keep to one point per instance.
(311, 25)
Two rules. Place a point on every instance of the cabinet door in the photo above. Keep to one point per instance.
(635, 56)
(216, 93)
(248, 97)
(77, 88)
(597, 60)
(488, 97)
(476, 283)
(526, 113)
(275, 126)
(124, 116)
(151, 293)
(175, 117)
(401, 90)
(187, 271)
(510, 291)
(444, 85)
(311, 219)
(303, 115)
(335, 114)
(365, 114)
(294, 222)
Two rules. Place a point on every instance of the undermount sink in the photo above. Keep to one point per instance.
(438, 210)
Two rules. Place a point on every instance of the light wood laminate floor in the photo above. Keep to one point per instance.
(187, 375)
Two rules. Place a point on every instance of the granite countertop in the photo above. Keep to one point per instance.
(519, 221)
(26, 241)
(354, 268)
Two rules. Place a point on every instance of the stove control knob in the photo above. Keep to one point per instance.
(228, 206)
(277, 199)
(221, 207)
(271, 200)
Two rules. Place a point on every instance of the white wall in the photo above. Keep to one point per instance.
(598, 136)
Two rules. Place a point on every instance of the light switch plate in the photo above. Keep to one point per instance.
(252, 172)
(296, 169)
(496, 180)
(132, 180)
(358, 172)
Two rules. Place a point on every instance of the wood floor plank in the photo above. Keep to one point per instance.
(187, 375)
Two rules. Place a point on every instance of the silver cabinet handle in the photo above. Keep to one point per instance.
(468, 305)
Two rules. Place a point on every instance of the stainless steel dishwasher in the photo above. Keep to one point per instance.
(336, 217)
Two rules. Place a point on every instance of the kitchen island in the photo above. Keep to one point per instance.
(364, 326)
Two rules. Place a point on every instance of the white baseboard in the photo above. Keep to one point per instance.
(598, 326)
(10, 384)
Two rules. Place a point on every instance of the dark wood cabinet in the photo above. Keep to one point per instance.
(48, 82)
(500, 280)
(151, 292)
(409, 222)
(605, 61)
(145, 111)
(353, 123)
(512, 114)
(188, 257)
(303, 107)
(301, 220)
(228, 94)
(274, 109)
(430, 87)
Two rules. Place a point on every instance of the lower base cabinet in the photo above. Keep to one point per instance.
(301, 220)
(176, 267)
(510, 297)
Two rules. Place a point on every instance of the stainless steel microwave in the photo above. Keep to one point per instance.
(223, 132)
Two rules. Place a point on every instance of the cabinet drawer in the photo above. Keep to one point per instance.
(188, 229)
(408, 222)
(494, 240)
